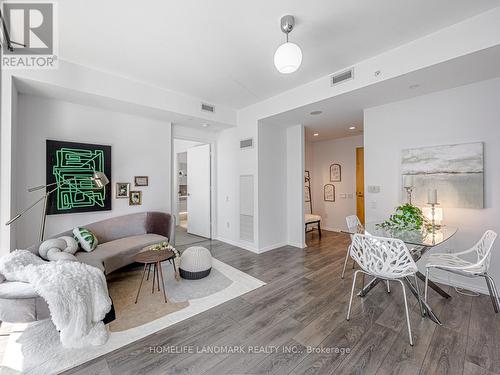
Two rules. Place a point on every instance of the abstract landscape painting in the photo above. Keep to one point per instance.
(456, 171)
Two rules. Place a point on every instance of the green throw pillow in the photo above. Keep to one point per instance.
(86, 239)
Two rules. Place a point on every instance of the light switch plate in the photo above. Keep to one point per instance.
(374, 189)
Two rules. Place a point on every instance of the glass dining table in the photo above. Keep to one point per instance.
(418, 242)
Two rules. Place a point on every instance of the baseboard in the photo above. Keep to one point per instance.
(272, 247)
(296, 244)
(244, 245)
(329, 229)
(253, 249)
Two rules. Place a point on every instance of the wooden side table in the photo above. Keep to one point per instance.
(154, 258)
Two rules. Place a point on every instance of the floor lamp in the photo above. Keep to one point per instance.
(99, 179)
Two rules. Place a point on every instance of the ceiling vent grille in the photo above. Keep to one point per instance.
(246, 143)
(341, 77)
(208, 107)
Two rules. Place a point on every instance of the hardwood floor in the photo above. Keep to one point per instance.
(296, 325)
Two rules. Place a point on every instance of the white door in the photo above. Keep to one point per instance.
(198, 187)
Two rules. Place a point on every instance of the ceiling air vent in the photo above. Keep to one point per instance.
(341, 77)
(246, 143)
(208, 107)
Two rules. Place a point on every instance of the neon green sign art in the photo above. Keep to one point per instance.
(72, 166)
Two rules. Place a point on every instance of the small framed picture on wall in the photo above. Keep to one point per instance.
(122, 190)
(141, 181)
(335, 173)
(135, 198)
(329, 193)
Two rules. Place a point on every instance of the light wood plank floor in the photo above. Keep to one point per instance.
(302, 309)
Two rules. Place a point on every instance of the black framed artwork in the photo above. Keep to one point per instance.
(329, 193)
(71, 166)
(335, 173)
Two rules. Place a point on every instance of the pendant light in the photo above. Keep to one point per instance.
(288, 56)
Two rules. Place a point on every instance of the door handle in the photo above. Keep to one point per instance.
(359, 194)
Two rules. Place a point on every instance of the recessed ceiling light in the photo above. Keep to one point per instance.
(414, 86)
(205, 125)
(315, 113)
(352, 127)
(316, 134)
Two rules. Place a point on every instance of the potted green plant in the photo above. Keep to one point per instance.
(406, 217)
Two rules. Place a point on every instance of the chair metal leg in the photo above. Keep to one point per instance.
(388, 286)
(352, 292)
(426, 284)
(407, 313)
(492, 291)
(419, 297)
(495, 291)
(345, 261)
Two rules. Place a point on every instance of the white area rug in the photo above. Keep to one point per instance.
(36, 349)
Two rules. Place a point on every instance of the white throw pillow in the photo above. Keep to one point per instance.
(71, 244)
(86, 239)
(61, 248)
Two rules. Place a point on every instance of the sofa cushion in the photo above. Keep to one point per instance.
(118, 253)
(119, 227)
(17, 289)
(310, 218)
(23, 310)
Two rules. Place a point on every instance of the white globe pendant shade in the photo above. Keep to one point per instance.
(287, 58)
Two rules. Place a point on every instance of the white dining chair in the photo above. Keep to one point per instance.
(454, 263)
(387, 259)
(353, 225)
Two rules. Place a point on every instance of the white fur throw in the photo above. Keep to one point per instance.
(61, 248)
(76, 293)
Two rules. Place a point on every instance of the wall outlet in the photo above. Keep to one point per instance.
(350, 196)
(227, 198)
(227, 224)
(343, 196)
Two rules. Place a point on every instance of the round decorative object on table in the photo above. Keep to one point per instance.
(196, 263)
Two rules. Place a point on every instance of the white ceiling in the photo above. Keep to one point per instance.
(222, 50)
(30, 87)
(340, 112)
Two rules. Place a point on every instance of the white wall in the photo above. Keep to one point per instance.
(140, 146)
(232, 162)
(295, 186)
(321, 155)
(461, 115)
(272, 186)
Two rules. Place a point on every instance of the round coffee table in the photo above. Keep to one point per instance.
(154, 258)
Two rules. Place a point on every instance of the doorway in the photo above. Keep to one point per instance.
(360, 184)
(192, 199)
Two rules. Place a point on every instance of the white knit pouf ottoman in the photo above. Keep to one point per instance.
(196, 263)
